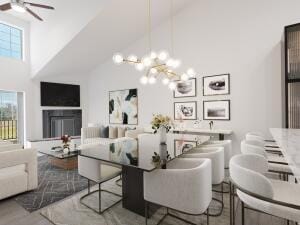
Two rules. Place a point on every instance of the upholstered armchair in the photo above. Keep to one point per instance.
(184, 186)
(18, 171)
(9, 146)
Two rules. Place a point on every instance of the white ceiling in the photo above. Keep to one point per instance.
(45, 14)
(116, 26)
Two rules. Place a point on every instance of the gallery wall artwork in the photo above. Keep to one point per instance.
(123, 107)
(216, 85)
(185, 110)
(216, 110)
(185, 88)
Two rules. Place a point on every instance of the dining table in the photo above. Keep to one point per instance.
(139, 156)
(288, 141)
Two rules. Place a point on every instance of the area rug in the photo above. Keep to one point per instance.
(54, 184)
(70, 212)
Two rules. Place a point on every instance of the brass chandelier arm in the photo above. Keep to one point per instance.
(130, 61)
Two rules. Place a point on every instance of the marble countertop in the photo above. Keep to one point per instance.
(289, 142)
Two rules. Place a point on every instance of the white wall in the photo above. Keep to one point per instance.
(242, 38)
(15, 76)
(59, 28)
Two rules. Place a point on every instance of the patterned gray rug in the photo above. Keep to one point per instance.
(54, 184)
(70, 212)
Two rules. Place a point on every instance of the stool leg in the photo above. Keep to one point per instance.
(243, 213)
(146, 212)
(207, 216)
(99, 198)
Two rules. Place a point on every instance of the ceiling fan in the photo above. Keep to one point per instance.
(21, 6)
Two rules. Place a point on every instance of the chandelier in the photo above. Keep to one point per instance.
(157, 65)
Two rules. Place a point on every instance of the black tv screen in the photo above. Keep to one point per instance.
(54, 94)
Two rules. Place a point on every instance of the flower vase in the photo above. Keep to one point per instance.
(163, 135)
(66, 148)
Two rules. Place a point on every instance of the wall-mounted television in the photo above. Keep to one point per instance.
(64, 95)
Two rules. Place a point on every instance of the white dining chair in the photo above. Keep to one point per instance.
(254, 189)
(185, 186)
(226, 144)
(216, 155)
(99, 172)
(276, 164)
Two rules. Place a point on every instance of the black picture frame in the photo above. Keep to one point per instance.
(188, 96)
(219, 75)
(195, 107)
(109, 98)
(229, 110)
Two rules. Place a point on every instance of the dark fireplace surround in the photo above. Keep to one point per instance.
(60, 122)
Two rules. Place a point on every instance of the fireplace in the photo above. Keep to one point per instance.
(60, 122)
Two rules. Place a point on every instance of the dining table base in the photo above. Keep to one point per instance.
(133, 191)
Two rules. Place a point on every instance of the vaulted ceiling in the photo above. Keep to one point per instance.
(81, 34)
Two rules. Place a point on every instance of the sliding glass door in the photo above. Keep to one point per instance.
(292, 76)
(8, 115)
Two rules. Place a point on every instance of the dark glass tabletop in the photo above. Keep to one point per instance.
(60, 154)
(146, 153)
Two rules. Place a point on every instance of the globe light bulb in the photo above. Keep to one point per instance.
(165, 81)
(146, 61)
(172, 85)
(191, 72)
(153, 70)
(152, 80)
(176, 63)
(170, 62)
(163, 55)
(132, 58)
(153, 55)
(139, 67)
(118, 58)
(184, 77)
(144, 80)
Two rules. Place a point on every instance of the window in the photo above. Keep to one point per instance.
(10, 41)
(8, 115)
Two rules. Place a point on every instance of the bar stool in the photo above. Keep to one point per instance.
(274, 197)
(276, 164)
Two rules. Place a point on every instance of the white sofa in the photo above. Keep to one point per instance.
(91, 135)
(18, 170)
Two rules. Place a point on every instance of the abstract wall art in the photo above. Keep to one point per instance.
(123, 107)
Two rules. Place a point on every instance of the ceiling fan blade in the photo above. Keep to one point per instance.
(34, 14)
(5, 7)
(39, 5)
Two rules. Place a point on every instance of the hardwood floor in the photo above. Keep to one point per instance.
(13, 214)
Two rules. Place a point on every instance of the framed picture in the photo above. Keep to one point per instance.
(216, 85)
(216, 110)
(185, 110)
(181, 146)
(185, 88)
(123, 107)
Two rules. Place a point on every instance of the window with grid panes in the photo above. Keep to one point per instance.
(10, 41)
